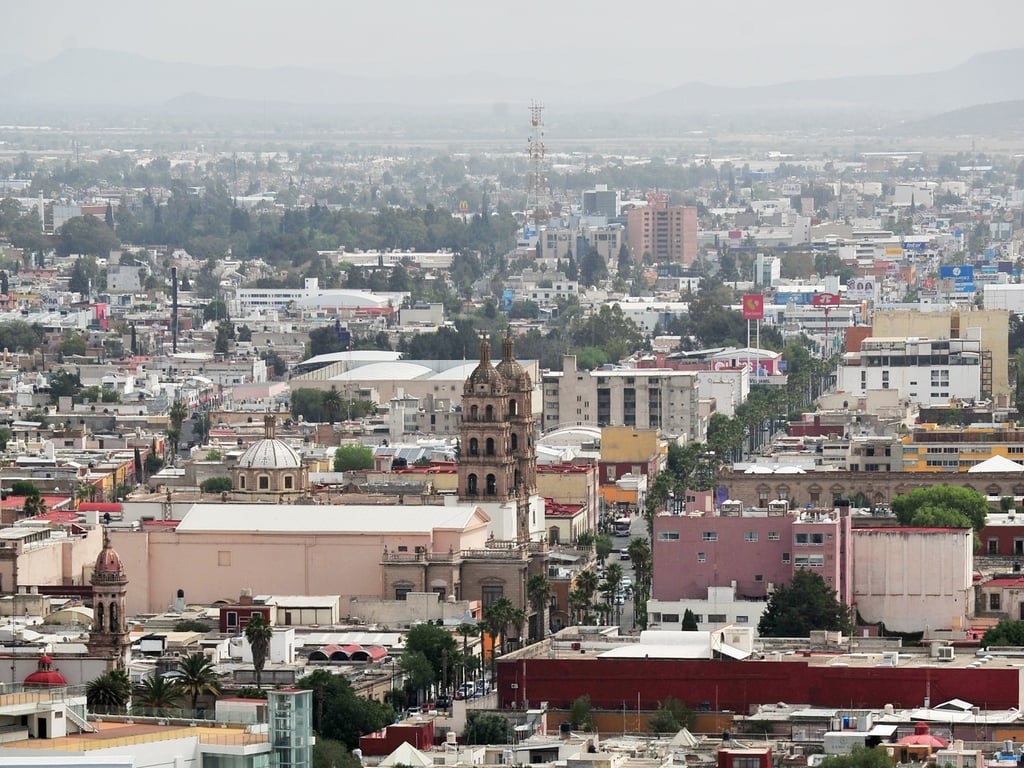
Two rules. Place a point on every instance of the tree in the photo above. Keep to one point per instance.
(258, 632)
(482, 728)
(437, 646)
(671, 716)
(338, 713)
(331, 403)
(351, 457)
(192, 625)
(19, 336)
(83, 276)
(538, 591)
(969, 504)
(1006, 632)
(86, 235)
(197, 677)
(690, 621)
(109, 692)
(215, 311)
(158, 695)
(177, 414)
(581, 713)
(65, 383)
(419, 676)
(808, 603)
(328, 753)
(860, 757)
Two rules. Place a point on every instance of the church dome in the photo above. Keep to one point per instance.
(45, 675)
(270, 453)
(485, 377)
(108, 561)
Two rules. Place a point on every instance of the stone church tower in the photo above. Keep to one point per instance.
(108, 637)
(497, 461)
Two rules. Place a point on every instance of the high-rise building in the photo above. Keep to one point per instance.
(667, 232)
(601, 201)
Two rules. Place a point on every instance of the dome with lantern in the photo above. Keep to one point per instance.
(45, 675)
(515, 376)
(485, 378)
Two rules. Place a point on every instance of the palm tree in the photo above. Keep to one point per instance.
(587, 583)
(258, 632)
(466, 630)
(197, 677)
(497, 616)
(538, 590)
(158, 695)
(331, 404)
(110, 691)
(578, 603)
(177, 414)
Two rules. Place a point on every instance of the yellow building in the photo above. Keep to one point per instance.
(954, 324)
(934, 448)
(629, 444)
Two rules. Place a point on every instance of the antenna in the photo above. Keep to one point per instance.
(537, 180)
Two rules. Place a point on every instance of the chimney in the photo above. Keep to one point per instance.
(245, 598)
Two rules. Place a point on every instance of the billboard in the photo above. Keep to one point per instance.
(958, 278)
(860, 289)
(753, 306)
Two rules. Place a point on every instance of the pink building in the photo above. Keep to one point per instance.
(666, 232)
(756, 551)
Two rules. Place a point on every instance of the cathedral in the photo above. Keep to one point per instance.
(497, 459)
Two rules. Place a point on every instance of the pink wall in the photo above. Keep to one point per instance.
(748, 550)
(217, 566)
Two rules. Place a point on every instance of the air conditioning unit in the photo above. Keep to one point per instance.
(947, 653)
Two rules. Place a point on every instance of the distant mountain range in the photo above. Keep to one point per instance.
(91, 80)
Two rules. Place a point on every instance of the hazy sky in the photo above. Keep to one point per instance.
(666, 42)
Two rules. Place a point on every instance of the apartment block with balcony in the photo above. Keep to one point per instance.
(647, 398)
(667, 233)
(924, 371)
(935, 448)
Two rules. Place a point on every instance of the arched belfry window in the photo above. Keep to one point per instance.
(471, 485)
(513, 407)
(489, 413)
(515, 441)
(474, 447)
(490, 446)
(492, 485)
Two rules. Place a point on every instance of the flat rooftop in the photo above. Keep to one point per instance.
(111, 735)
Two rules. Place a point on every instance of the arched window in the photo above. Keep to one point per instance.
(492, 485)
(517, 478)
(114, 626)
(241, 482)
(99, 617)
(513, 407)
(474, 412)
(489, 413)
(490, 446)
(471, 485)
(474, 447)
(264, 482)
(515, 441)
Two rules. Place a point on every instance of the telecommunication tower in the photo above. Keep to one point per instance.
(537, 180)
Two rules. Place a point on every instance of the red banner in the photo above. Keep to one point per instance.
(753, 306)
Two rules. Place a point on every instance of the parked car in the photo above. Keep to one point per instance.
(624, 554)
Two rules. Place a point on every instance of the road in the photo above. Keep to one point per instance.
(637, 529)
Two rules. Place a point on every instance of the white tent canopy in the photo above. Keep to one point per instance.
(406, 754)
(997, 464)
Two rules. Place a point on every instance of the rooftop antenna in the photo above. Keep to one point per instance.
(537, 180)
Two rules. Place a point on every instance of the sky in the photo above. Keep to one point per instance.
(665, 42)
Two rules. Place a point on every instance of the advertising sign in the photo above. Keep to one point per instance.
(961, 276)
(825, 300)
(753, 306)
(860, 289)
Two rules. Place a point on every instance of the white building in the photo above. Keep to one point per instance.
(924, 371)
(721, 608)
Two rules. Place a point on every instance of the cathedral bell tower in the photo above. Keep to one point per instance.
(108, 637)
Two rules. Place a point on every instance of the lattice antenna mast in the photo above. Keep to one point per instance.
(537, 180)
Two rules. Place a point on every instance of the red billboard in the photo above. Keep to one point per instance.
(753, 306)
(825, 300)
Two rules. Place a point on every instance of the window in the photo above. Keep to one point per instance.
(750, 536)
(701, 557)
(758, 577)
(655, 617)
(785, 557)
(490, 446)
(668, 535)
(742, 619)
(773, 535)
(492, 485)
(491, 592)
(717, 618)
(802, 538)
(471, 489)
(993, 546)
(241, 482)
(401, 590)
(817, 538)
(474, 446)
(289, 482)
(709, 536)
(264, 482)
(670, 618)
(993, 601)
(232, 619)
